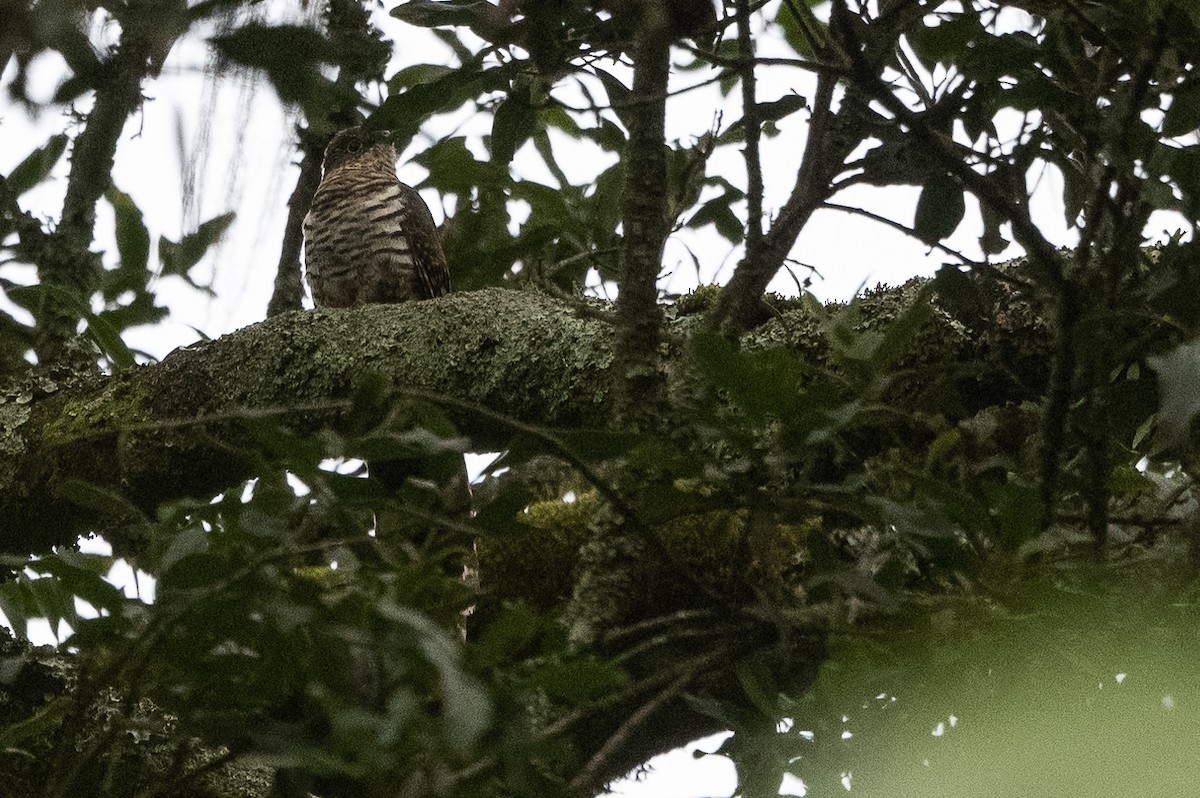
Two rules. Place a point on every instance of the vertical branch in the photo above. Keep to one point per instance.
(67, 264)
(288, 293)
(1111, 244)
(613, 562)
(829, 143)
(639, 375)
(752, 125)
(1060, 389)
(740, 305)
(365, 57)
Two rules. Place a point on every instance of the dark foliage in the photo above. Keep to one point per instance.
(767, 476)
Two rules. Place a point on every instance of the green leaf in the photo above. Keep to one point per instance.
(718, 212)
(787, 105)
(940, 209)
(41, 724)
(465, 703)
(83, 576)
(293, 58)
(185, 543)
(510, 636)
(764, 383)
(992, 242)
(418, 74)
(434, 13)
(141, 310)
(945, 42)
(103, 333)
(404, 111)
(1127, 481)
(454, 169)
(686, 167)
(541, 142)
(36, 166)
(1076, 187)
(133, 244)
(619, 96)
(801, 28)
(285, 52)
(604, 206)
(79, 53)
(514, 122)
(451, 39)
(177, 259)
(580, 678)
(1174, 284)
(53, 601)
(105, 502)
(1184, 114)
(1182, 166)
(1179, 391)
(900, 334)
(17, 606)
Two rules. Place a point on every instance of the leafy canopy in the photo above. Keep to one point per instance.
(900, 468)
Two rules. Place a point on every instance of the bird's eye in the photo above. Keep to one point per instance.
(354, 146)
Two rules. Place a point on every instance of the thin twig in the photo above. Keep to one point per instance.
(650, 624)
(808, 65)
(753, 128)
(587, 777)
(903, 228)
(656, 679)
(666, 638)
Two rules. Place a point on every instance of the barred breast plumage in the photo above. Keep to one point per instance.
(368, 237)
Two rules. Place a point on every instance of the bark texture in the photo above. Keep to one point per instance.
(158, 433)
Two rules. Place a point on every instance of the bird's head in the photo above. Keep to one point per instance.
(355, 145)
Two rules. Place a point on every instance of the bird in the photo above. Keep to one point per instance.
(368, 238)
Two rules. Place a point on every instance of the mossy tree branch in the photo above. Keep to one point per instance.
(173, 429)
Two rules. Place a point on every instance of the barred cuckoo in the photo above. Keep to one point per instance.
(368, 237)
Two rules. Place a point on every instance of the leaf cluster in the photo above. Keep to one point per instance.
(112, 294)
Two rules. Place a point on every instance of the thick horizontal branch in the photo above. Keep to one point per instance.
(172, 430)
(183, 427)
